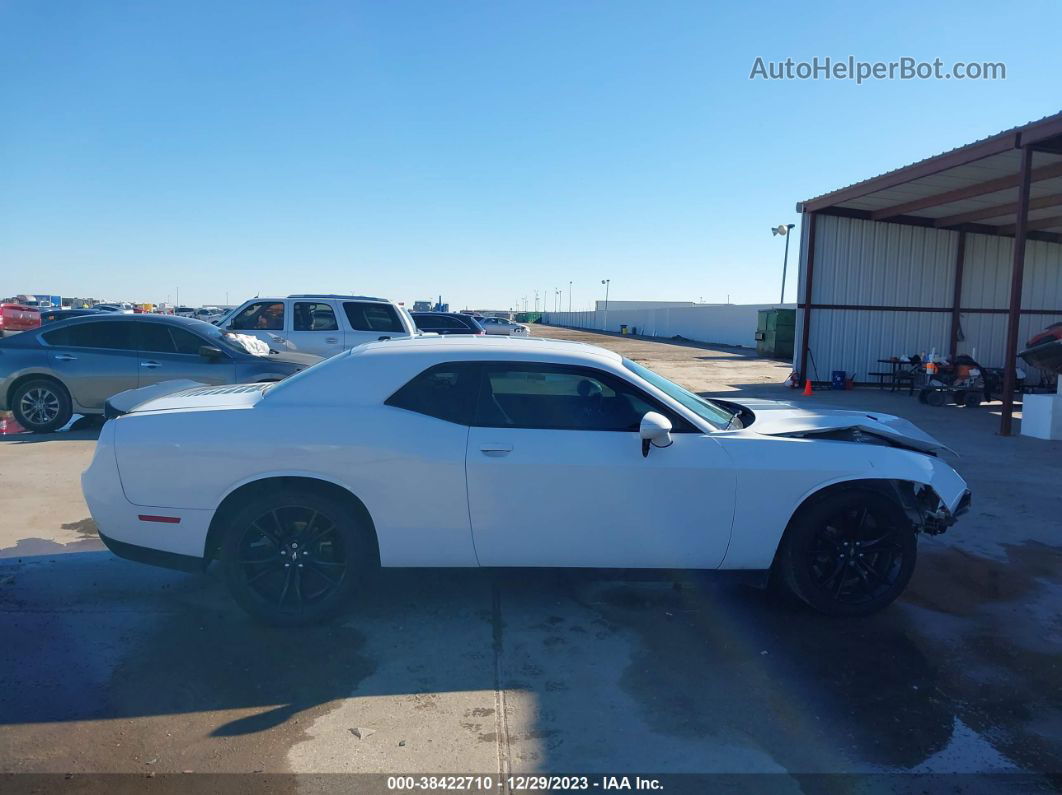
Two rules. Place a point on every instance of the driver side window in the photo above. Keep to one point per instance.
(560, 397)
(260, 316)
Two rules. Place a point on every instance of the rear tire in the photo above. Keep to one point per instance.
(41, 405)
(295, 557)
(972, 401)
(850, 553)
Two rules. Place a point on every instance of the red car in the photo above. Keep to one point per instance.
(18, 317)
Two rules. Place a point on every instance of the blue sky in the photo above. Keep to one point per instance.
(478, 150)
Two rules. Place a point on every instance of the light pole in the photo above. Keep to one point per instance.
(604, 322)
(783, 230)
(569, 298)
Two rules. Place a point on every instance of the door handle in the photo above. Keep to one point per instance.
(277, 338)
(331, 340)
(496, 450)
(151, 365)
(64, 357)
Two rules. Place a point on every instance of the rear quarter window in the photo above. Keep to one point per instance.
(445, 391)
(372, 317)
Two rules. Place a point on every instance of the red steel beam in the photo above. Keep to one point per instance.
(808, 278)
(1050, 171)
(956, 300)
(1017, 275)
(1039, 203)
(1038, 223)
(923, 168)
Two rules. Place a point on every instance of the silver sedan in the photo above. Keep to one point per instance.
(73, 366)
(499, 325)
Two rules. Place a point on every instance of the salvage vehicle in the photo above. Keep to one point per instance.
(72, 366)
(497, 452)
(320, 324)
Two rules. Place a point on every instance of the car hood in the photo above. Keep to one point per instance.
(183, 395)
(782, 418)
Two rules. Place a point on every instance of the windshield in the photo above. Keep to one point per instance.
(705, 409)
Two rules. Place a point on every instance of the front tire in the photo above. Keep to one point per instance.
(295, 557)
(850, 553)
(41, 405)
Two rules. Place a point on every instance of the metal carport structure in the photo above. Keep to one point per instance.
(964, 247)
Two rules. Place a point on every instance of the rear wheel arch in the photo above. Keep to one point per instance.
(240, 496)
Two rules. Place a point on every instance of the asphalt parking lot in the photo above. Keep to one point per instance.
(111, 666)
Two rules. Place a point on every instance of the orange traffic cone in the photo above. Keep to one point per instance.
(807, 388)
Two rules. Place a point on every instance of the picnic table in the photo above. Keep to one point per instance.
(898, 374)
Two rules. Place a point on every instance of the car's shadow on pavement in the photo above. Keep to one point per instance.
(688, 663)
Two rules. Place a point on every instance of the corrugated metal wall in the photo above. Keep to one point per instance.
(879, 264)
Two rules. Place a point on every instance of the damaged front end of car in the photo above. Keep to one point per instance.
(926, 509)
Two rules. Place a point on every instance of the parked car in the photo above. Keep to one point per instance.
(52, 315)
(208, 313)
(73, 366)
(121, 308)
(499, 325)
(18, 317)
(320, 324)
(447, 323)
(453, 451)
(184, 311)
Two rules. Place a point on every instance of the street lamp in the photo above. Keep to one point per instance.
(783, 230)
(604, 323)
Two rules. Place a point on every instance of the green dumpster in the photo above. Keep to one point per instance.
(775, 330)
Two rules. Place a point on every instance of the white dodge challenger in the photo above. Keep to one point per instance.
(502, 452)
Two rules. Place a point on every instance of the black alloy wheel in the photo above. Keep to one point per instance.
(852, 553)
(294, 558)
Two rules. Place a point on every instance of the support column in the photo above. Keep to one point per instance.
(956, 301)
(809, 273)
(1017, 275)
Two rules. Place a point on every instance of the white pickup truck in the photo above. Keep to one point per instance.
(321, 324)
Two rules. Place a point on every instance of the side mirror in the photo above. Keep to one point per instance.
(655, 430)
(210, 352)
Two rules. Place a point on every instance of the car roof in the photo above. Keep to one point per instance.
(494, 347)
(111, 317)
(333, 295)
